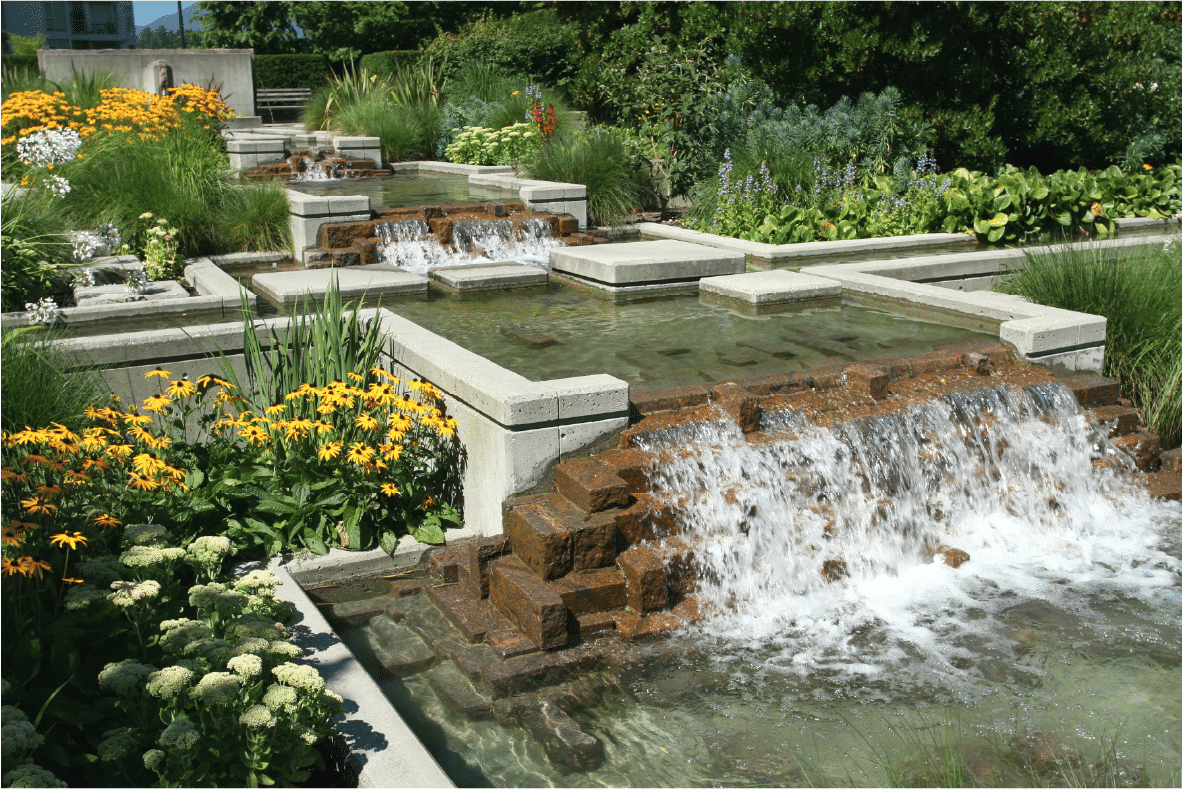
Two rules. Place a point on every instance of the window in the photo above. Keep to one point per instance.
(56, 17)
(102, 18)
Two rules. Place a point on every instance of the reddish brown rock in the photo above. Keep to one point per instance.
(979, 363)
(444, 563)
(473, 562)
(567, 225)
(529, 672)
(646, 577)
(833, 570)
(473, 617)
(367, 251)
(739, 404)
(510, 643)
(345, 257)
(590, 485)
(683, 571)
(1171, 460)
(1120, 420)
(529, 602)
(596, 624)
(632, 626)
(630, 465)
(648, 401)
(541, 543)
(592, 590)
(1093, 390)
(1165, 485)
(953, 557)
(1143, 447)
(868, 379)
(646, 519)
(337, 235)
(442, 228)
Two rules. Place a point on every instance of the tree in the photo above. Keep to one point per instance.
(26, 46)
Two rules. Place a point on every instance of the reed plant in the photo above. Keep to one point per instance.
(43, 383)
(599, 159)
(1140, 293)
(254, 218)
(406, 131)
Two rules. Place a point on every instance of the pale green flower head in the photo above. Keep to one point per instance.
(145, 534)
(216, 689)
(246, 665)
(18, 740)
(281, 699)
(257, 717)
(101, 571)
(31, 775)
(255, 626)
(208, 552)
(117, 744)
(125, 678)
(284, 650)
(127, 594)
(213, 651)
(204, 597)
(180, 734)
(154, 760)
(151, 556)
(257, 581)
(179, 633)
(304, 678)
(80, 598)
(251, 646)
(169, 681)
(10, 714)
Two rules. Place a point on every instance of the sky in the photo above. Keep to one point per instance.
(150, 10)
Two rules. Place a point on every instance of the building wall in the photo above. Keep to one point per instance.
(71, 25)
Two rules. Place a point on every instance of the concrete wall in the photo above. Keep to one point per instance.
(232, 68)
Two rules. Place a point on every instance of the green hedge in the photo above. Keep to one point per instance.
(19, 61)
(290, 71)
(385, 63)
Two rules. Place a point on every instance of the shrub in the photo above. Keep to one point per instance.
(254, 217)
(290, 71)
(599, 159)
(534, 44)
(479, 145)
(390, 62)
(42, 384)
(404, 134)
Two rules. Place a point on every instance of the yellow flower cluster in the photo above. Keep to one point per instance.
(122, 110)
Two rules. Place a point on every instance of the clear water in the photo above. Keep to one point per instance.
(408, 189)
(661, 340)
(1065, 623)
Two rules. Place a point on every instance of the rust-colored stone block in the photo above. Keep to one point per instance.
(592, 590)
(345, 257)
(1119, 419)
(591, 486)
(442, 228)
(633, 627)
(827, 377)
(541, 543)
(595, 541)
(339, 235)
(474, 557)
(1143, 447)
(739, 404)
(647, 519)
(979, 363)
(683, 571)
(472, 617)
(646, 577)
(1171, 461)
(1093, 390)
(647, 401)
(367, 251)
(596, 624)
(317, 258)
(528, 602)
(689, 610)
(871, 379)
(934, 362)
(953, 557)
(630, 465)
(510, 643)
(834, 570)
(567, 225)
(530, 672)
(1166, 485)
(444, 563)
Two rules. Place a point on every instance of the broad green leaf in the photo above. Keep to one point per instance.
(999, 220)
(995, 234)
(981, 226)
(388, 542)
(428, 532)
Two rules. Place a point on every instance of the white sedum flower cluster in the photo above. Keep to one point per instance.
(48, 147)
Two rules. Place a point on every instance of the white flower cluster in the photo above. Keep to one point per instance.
(125, 678)
(103, 241)
(136, 281)
(128, 593)
(44, 311)
(84, 278)
(49, 147)
(57, 186)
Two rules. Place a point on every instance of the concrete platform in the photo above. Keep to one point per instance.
(289, 287)
(777, 286)
(486, 276)
(646, 262)
(96, 295)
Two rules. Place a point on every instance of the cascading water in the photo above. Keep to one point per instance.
(816, 547)
(317, 171)
(408, 243)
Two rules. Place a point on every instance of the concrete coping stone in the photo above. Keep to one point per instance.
(488, 276)
(776, 286)
(645, 262)
(812, 249)
(102, 295)
(210, 280)
(450, 167)
(303, 204)
(248, 258)
(288, 287)
(356, 142)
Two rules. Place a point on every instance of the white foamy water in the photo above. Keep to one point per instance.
(317, 172)
(1006, 478)
(407, 243)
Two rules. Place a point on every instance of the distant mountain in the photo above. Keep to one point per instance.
(170, 22)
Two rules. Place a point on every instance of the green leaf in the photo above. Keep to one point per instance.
(194, 478)
(999, 220)
(828, 230)
(1003, 202)
(315, 544)
(981, 226)
(1063, 218)
(995, 234)
(428, 532)
(389, 541)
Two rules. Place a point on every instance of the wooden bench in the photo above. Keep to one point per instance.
(281, 99)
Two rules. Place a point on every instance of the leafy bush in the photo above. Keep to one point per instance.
(599, 159)
(1140, 293)
(509, 145)
(254, 217)
(290, 71)
(389, 62)
(42, 384)
(534, 44)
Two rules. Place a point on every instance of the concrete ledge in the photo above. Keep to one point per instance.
(762, 256)
(478, 277)
(247, 258)
(385, 752)
(770, 287)
(354, 282)
(645, 262)
(209, 280)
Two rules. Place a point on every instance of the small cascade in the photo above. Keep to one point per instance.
(410, 243)
(815, 546)
(310, 170)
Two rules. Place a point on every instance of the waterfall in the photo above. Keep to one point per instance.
(317, 171)
(816, 545)
(409, 243)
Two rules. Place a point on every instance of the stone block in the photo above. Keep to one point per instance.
(630, 465)
(539, 542)
(473, 617)
(1142, 447)
(741, 405)
(316, 257)
(591, 486)
(777, 286)
(501, 276)
(367, 251)
(592, 590)
(510, 643)
(406, 657)
(338, 235)
(444, 563)
(1164, 485)
(1093, 390)
(683, 571)
(454, 690)
(644, 262)
(633, 626)
(529, 672)
(868, 379)
(358, 612)
(528, 602)
(646, 577)
(594, 538)
(1171, 461)
(568, 748)
(646, 519)
(596, 624)
(647, 401)
(1119, 420)
(474, 558)
(933, 362)
(977, 362)
(346, 257)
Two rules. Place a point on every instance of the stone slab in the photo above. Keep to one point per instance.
(776, 286)
(501, 276)
(95, 295)
(288, 287)
(645, 262)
